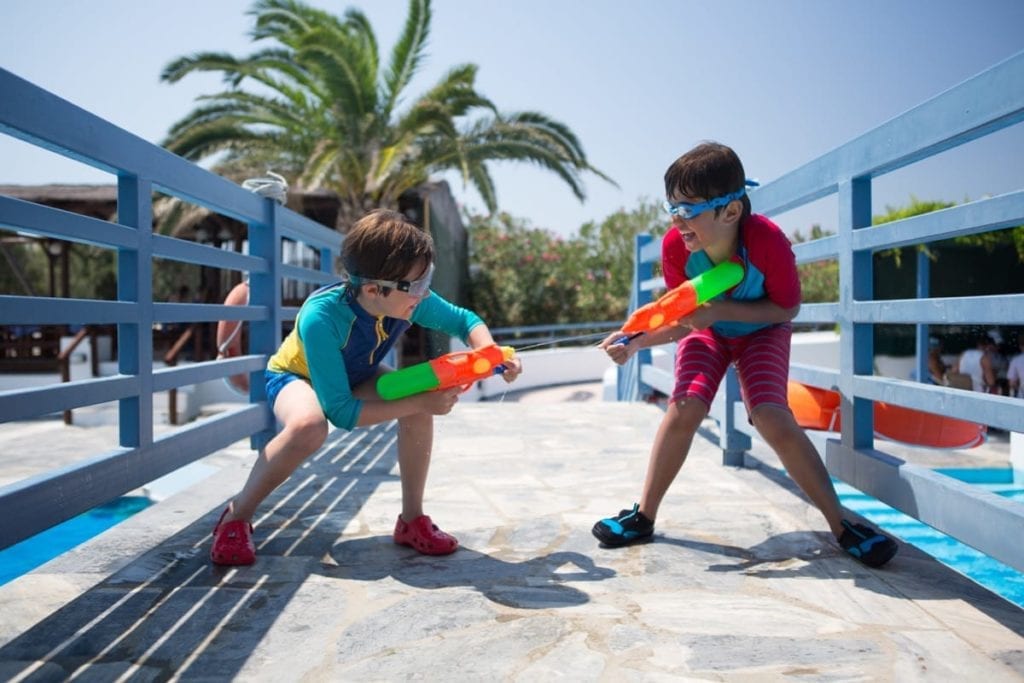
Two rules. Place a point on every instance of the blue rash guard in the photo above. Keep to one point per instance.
(338, 345)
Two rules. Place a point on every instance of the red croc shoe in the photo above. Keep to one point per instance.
(423, 535)
(232, 542)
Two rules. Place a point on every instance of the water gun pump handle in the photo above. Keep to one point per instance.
(626, 338)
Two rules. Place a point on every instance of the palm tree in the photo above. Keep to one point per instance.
(325, 114)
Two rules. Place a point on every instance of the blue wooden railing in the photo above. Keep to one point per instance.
(984, 104)
(38, 117)
(989, 102)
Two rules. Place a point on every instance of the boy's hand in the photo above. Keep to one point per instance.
(618, 352)
(700, 319)
(439, 402)
(513, 368)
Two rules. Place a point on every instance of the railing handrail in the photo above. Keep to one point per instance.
(32, 114)
(979, 106)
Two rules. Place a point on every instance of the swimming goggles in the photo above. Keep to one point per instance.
(687, 210)
(414, 287)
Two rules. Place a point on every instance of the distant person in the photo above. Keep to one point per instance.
(976, 363)
(748, 327)
(1015, 373)
(1000, 363)
(326, 370)
(937, 367)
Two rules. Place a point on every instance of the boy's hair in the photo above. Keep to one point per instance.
(384, 245)
(707, 171)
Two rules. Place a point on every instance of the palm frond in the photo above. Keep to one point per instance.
(481, 179)
(344, 69)
(202, 141)
(361, 31)
(286, 21)
(426, 118)
(201, 61)
(408, 53)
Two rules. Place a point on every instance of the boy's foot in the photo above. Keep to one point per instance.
(423, 535)
(871, 547)
(232, 542)
(629, 526)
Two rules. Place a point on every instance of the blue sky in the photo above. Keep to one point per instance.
(782, 82)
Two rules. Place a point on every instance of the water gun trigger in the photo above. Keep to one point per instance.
(626, 338)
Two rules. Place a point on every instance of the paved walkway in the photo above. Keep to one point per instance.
(742, 583)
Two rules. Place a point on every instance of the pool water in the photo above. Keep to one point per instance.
(992, 574)
(25, 556)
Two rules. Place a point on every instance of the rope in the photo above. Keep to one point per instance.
(271, 185)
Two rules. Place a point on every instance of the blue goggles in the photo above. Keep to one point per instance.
(414, 287)
(687, 210)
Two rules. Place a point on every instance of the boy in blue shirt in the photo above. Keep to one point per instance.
(326, 370)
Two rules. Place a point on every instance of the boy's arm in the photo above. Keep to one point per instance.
(438, 313)
(376, 410)
(760, 311)
(620, 353)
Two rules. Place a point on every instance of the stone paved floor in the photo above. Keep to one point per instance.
(742, 583)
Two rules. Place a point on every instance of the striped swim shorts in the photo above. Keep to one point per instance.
(761, 358)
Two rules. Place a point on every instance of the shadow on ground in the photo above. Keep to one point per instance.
(533, 583)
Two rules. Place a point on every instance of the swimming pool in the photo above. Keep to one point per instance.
(25, 556)
(992, 574)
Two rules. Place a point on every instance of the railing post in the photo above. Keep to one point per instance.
(265, 290)
(856, 345)
(135, 284)
(924, 279)
(735, 443)
(629, 384)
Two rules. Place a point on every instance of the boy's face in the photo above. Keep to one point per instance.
(715, 234)
(398, 303)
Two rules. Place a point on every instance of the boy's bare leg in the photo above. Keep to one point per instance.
(798, 455)
(415, 443)
(304, 431)
(669, 451)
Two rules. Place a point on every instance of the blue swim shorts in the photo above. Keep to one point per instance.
(276, 381)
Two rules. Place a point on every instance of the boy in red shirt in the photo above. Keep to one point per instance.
(749, 327)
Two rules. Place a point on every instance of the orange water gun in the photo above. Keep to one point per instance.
(456, 369)
(682, 301)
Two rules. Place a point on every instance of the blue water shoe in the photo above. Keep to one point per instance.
(629, 526)
(871, 547)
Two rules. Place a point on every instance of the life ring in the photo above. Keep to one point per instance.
(229, 337)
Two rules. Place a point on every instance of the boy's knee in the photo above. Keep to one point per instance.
(686, 415)
(309, 431)
(771, 420)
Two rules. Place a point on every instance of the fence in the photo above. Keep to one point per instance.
(38, 117)
(984, 104)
